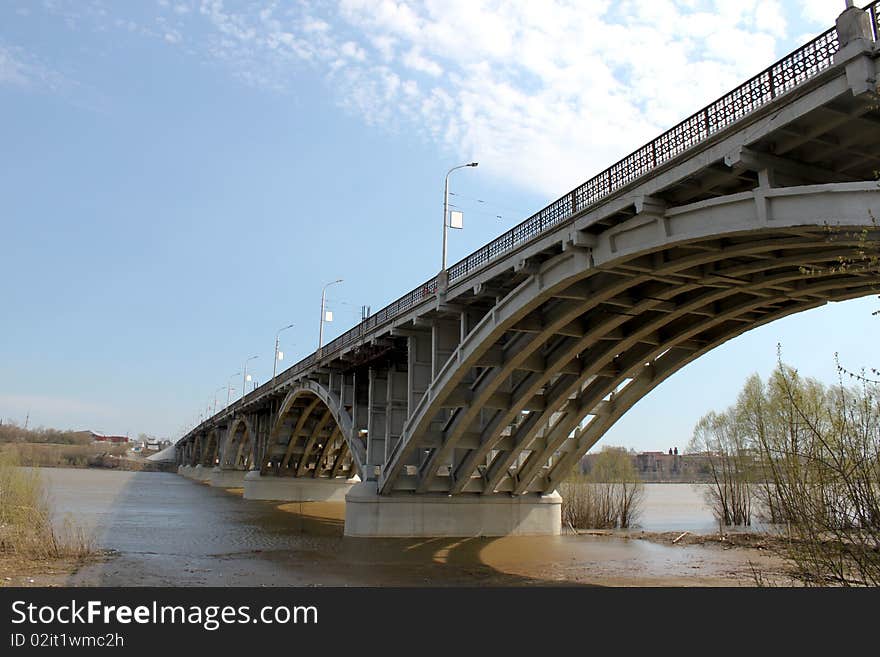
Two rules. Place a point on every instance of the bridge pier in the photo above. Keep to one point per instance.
(201, 473)
(185, 470)
(226, 478)
(368, 514)
(295, 489)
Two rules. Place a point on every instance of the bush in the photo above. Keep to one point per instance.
(610, 496)
(26, 527)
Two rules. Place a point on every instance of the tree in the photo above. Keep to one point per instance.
(721, 439)
(810, 455)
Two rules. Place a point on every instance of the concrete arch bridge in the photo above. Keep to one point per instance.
(459, 408)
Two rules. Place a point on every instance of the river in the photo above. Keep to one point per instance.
(164, 529)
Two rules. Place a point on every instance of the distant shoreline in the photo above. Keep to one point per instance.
(63, 455)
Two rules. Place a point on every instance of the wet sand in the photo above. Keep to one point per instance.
(161, 529)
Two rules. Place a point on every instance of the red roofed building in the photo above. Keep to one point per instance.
(101, 438)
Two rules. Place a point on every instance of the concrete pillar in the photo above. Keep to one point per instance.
(445, 336)
(259, 445)
(295, 489)
(396, 409)
(201, 473)
(368, 514)
(377, 394)
(418, 366)
(852, 24)
(360, 409)
(858, 47)
(225, 478)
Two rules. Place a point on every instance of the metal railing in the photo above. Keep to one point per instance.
(779, 78)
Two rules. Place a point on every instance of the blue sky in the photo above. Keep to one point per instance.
(178, 180)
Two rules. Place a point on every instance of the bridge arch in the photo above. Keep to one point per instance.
(195, 456)
(210, 449)
(311, 436)
(593, 330)
(238, 452)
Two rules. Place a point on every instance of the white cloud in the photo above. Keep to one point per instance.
(769, 14)
(22, 69)
(12, 71)
(414, 60)
(544, 94)
(821, 12)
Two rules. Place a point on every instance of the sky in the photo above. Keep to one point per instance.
(179, 179)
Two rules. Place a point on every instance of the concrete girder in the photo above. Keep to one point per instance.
(650, 334)
(325, 450)
(314, 435)
(304, 415)
(593, 394)
(561, 430)
(666, 365)
(680, 223)
(240, 439)
(608, 354)
(319, 399)
(559, 317)
(211, 448)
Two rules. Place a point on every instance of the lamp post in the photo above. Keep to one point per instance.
(229, 386)
(215, 398)
(446, 206)
(276, 359)
(244, 376)
(323, 300)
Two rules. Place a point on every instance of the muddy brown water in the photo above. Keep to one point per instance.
(163, 529)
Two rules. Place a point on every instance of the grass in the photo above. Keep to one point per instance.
(26, 528)
(57, 455)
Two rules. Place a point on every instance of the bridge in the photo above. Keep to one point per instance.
(458, 409)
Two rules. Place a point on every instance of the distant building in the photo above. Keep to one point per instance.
(658, 464)
(101, 438)
(662, 466)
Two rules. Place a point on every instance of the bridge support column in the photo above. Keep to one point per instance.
(226, 478)
(185, 470)
(295, 489)
(201, 473)
(369, 514)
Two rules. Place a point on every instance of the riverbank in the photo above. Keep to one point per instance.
(29, 571)
(56, 455)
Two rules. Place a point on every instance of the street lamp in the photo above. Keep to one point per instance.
(229, 386)
(215, 398)
(244, 378)
(446, 206)
(323, 299)
(278, 355)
